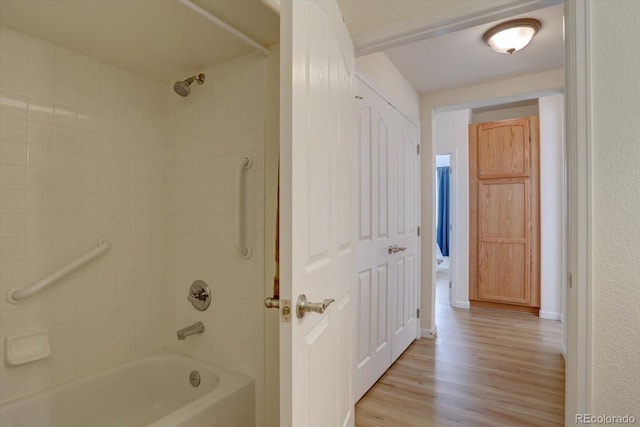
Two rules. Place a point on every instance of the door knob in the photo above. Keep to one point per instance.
(395, 249)
(303, 306)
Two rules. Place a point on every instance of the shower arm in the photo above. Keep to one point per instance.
(198, 79)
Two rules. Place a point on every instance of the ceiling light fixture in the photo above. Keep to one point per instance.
(511, 36)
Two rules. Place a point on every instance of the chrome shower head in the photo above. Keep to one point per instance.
(183, 87)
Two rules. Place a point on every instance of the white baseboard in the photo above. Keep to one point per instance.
(462, 304)
(550, 315)
(429, 333)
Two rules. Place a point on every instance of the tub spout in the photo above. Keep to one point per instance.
(196, 328)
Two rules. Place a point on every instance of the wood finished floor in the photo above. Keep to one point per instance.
(485, 368)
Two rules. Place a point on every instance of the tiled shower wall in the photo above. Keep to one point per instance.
(80, 159)
(210, 132)
(91, 151)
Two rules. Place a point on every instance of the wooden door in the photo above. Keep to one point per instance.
(317, 248)
(504, 236)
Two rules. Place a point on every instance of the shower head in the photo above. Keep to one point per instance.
(183, 87)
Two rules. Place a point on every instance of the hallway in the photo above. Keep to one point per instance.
(486, 368)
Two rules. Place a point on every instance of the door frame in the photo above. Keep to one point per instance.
(578, 171)
(578, 292)
(579, 240)
(452, 225)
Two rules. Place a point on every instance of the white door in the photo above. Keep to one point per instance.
(317, 237)
(386, 294)
(373, 317)
(404, 262)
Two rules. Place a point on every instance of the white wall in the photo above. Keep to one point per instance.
(503, 91)
(378, 70)
(615, 103)
(551, 109)
(443, 161)
(81, 150)
(451, 135)
(504, 114)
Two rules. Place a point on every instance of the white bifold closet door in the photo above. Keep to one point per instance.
(387, 289)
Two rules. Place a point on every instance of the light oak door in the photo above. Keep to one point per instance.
(504, 236)
(386, 292)
(317, 248)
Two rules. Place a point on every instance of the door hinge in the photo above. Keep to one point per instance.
(418, 149)
(418, 230)
(449, 284)
(418, 313)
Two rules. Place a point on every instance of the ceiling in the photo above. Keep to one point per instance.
(165, 41)
(461, 58)
(162, 40)
(367, 17)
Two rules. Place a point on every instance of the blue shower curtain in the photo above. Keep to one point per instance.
(442, 231)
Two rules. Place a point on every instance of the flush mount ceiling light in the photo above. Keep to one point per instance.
(511, 36)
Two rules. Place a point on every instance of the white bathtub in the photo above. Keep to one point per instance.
(153, 391)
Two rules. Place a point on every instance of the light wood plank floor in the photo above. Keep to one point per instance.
(485, 368)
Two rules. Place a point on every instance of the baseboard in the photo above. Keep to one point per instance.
(550, 315)
(429, 333)
(462, 304)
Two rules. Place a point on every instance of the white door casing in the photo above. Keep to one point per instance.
(316, 226)
(387, 285)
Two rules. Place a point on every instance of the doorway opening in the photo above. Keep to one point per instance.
(444, 246)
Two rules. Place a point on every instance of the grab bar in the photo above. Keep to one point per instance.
(243, 249)
(14, 295)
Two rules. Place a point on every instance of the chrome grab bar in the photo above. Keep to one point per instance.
(243, 249)
(14, 295)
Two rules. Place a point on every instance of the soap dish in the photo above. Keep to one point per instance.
(28, 347)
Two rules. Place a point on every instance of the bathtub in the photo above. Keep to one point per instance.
(154, 391)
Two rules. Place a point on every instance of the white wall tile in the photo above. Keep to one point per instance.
(40, 110)
(91, 151)
(13, 104)
(12, 177)
(13, 129)
(65, 115)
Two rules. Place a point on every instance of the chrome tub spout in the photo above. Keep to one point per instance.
(196, 328)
